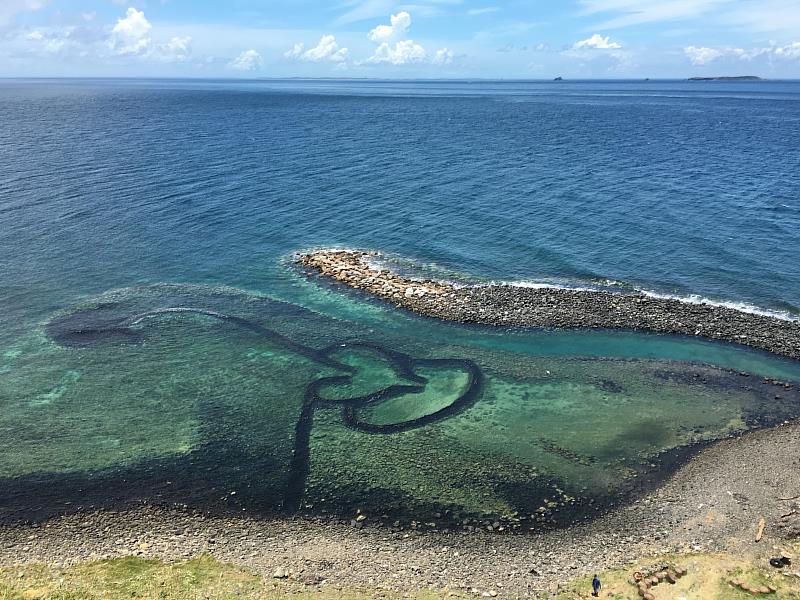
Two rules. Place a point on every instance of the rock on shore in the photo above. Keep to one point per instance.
(512, 306)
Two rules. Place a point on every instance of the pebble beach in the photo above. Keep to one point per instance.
(711, 504)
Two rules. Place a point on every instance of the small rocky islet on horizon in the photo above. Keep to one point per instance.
(729, 78)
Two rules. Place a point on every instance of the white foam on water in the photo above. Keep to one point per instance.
(541, 285)
(689, 299)
(381, 260)
(739, 306)
(609, 285)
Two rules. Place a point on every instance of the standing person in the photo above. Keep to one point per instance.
(596, 585)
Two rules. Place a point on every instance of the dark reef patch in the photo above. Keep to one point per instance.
(91, 327)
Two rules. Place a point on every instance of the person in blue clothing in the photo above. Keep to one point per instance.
(596, 585)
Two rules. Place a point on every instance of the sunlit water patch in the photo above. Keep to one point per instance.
(222, 399)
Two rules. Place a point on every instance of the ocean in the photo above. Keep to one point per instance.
(121, 198)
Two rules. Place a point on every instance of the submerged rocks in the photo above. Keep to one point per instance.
(508, 305)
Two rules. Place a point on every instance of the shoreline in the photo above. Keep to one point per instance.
(712, 504)
(507, 305)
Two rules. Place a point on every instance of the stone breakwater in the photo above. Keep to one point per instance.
(512, 306)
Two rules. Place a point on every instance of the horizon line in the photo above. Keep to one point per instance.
(559, 79)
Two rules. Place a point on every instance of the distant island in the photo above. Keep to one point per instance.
(737, 78)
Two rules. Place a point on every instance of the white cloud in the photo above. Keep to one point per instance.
(598, 42)
(327, 49)
(751, 54)
(176, 49)
(249, 60)
(385, 33)
(11, 8)
(402, 53)
(791, 51)
(397, 51)
(62, 41)
(702, 55)
(598, 54)
(443, 57)
(48, 42)
(130, 34)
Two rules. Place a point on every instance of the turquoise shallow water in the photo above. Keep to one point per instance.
(261, 391)
(224, 399)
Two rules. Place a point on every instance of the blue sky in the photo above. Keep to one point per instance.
(388, 39)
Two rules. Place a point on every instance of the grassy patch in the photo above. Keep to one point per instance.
(204, 578)
(708, 578)
(134, 578)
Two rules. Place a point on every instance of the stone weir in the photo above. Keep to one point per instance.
(513, 306)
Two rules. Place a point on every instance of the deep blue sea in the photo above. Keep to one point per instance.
(676, 187)
(112, 189)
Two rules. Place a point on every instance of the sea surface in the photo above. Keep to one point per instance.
(157, 343)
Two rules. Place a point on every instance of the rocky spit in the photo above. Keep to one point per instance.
(713, 503)
(513, 306)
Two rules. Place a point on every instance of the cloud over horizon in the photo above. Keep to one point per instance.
(326, 49)
(399, 24)
(130, 34)
(705, 55)
(597, 42)
(394, 50)
(419, 38)
(248, 61)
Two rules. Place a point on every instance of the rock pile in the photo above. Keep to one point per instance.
(648, 579)
(352, 268)
(512, 306)
(753, 589)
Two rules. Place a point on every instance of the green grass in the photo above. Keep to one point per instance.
(708, 578)
(205, 578)
(134, 578)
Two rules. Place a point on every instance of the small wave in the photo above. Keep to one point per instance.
(542, 285)
(740, 306)
(417, 269)
(618, 287)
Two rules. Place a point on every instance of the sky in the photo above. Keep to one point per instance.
(514, 39)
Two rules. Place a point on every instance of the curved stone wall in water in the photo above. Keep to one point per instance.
(222, 400)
